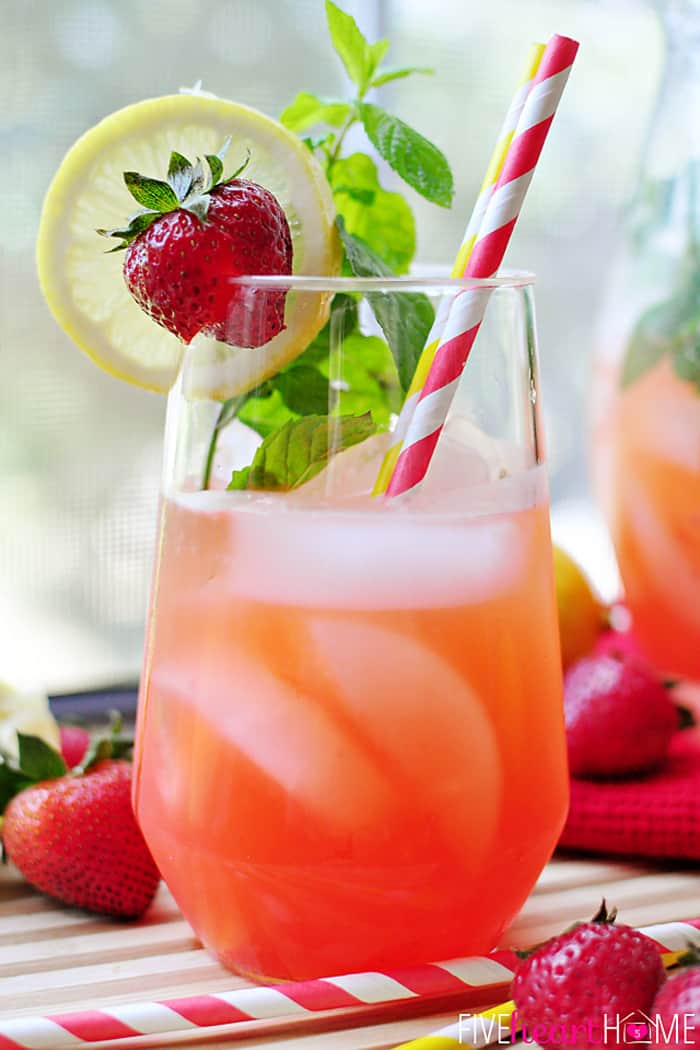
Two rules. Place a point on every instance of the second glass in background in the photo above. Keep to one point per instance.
(646, 390)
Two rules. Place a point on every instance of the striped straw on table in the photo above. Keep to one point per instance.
(475, 981)
(469, 306)
(476, 1031)
(493, 171)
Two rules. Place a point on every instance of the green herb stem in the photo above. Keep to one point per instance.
(335, 154)
(227, 412)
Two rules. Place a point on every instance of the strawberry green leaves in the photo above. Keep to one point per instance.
(419, 163)
(299, 450)
(151, 193)
(37, 760)
(180, 175)
(188, 186)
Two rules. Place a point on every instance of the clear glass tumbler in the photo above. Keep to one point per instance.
(350, 746)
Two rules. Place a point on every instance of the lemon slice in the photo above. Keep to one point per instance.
(83, 284)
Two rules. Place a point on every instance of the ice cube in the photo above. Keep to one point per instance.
(374, 560)
(420, 715)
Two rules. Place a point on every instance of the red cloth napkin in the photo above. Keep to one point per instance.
(653, 816)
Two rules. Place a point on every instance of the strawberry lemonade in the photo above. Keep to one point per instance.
(351, 746)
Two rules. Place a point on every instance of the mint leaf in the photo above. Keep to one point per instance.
(307, 110)
(387, 75)
(299, 450)
(376, 53)
(419, 163)
(151, 193)
(303, 389)
(383, 220)
(369, 379)
(350, 45)
(266, 413)
(405, 317)
(38, 760)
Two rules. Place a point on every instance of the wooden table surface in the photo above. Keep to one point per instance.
(55, 959)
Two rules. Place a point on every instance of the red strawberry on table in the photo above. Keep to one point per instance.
(575, 989)
(74, 835)
(619, 717)
(193, 234)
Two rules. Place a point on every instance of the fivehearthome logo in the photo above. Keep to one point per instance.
(637, 1028)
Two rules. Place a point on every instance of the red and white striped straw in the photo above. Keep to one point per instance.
(476, 980)
(468, 307)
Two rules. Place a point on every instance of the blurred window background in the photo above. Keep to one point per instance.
(80, 452)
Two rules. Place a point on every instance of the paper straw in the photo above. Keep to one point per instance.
(476, 1031)
(476, 980)
(495, 165)
(468, 307)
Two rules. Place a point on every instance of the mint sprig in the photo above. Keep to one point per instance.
(417, 160)
(187, 186)
(378, 234)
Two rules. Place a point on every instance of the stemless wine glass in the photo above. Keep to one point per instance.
(350, 746)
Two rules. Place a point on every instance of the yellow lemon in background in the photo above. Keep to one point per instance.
(581, 614)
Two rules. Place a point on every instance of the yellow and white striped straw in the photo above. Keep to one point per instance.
(493, 170)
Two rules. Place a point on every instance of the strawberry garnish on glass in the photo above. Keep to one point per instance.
(192, 234)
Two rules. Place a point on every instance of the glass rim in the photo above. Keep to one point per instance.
(515, 279)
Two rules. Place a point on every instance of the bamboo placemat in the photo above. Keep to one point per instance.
(55, 959)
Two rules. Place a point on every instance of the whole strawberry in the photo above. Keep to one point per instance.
(619, 717)
(676, 1009)
(192, 236)
(74, 836)
(575, 989)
